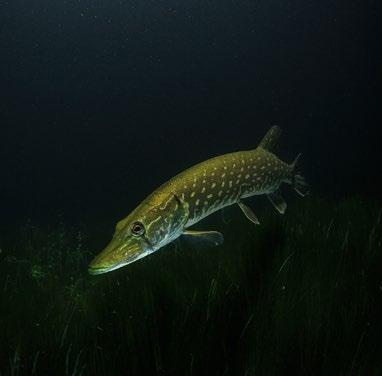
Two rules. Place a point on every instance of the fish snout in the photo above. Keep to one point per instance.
(114, 256)
(106, 260)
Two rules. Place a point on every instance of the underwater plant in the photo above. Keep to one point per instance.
(298, 295)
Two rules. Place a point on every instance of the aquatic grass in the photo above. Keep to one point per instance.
(298, 294)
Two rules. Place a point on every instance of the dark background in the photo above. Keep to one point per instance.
(101, 102)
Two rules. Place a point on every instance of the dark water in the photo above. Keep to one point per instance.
(101, 102)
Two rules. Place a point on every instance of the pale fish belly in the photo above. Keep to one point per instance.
(205, 213)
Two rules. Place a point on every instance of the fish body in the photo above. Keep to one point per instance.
(196, 193)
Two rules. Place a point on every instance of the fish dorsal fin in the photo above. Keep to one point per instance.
(271, 139)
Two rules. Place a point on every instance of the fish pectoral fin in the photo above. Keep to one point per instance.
(278, 202)
(209, 238)
(248, 212)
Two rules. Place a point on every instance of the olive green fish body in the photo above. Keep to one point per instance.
(196, 193)
(222, 181)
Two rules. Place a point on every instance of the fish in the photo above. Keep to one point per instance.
(196, 193)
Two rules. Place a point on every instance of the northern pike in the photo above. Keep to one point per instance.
(194, 194)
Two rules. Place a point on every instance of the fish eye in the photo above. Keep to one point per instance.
(137, 229)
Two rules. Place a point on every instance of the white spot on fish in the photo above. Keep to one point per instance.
(197, 202)
(213, 185)
(192, 194)
(223, 175)
(247, 176)
(210, 195)
(203, 189)
(220, 193)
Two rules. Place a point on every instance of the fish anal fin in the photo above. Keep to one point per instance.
(278, 202)
(206, 238)
(300, 185)
(248, 212)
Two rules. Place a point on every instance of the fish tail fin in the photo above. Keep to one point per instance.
(298, 181)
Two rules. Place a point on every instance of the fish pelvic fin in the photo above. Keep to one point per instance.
(298, 181)
(271, 140)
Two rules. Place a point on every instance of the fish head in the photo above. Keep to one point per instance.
(148, 228)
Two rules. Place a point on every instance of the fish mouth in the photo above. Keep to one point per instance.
(102, 270)
(94, 269)
(111, 258)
